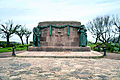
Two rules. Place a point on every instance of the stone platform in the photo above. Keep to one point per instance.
(43, 54)
(60, 48)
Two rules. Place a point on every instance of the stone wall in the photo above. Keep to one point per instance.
(59, 36)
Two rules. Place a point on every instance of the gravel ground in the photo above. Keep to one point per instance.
(14, 68)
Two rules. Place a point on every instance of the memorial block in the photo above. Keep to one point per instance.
(59, 36)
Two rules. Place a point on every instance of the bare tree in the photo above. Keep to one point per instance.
(7, 30)
(93, 28)
(27, 34)
(0, 30)
(117, 29)
(21, 32)
(100, 28)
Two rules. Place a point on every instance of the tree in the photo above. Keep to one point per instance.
(0, 32)
(21, 32)
(7, 30)
(27, 34)
(101, 28)
(94, 29)
(117, 29)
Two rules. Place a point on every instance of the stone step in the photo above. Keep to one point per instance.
(60, 48)
(43, 54)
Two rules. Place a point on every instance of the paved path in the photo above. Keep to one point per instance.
(109, 55)
(112, 56)
(14, 68)
(9, 54)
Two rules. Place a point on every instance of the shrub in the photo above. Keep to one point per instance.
(95, 49)
(116, 49)
(3, 44)
(30, 45)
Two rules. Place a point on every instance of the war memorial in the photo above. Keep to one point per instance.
(59, 36)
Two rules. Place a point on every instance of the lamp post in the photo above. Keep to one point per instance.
(98, 48)
(13, 51)
(104, 49)
(27, 47)
(119, 35)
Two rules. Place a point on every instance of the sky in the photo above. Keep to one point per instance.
(31, 12)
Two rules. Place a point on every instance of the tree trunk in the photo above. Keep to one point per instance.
(96, 40)
(22, 40)
(27, 40)
(119, 37)
(8, 43)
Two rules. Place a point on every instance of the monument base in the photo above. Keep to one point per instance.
(60, 49)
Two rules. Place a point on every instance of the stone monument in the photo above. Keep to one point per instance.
(59, 36)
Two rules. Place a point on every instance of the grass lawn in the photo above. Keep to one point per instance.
(9, 49)
(91, 45)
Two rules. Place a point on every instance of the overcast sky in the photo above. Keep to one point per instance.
(30, 12)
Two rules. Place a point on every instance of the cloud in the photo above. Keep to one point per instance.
(30, 12)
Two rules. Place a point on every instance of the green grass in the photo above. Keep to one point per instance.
(96, 49)
(92, 45)
(9, 49)
(20, 48)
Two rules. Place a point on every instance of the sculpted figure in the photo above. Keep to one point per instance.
(36, 37)
(83, 36)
